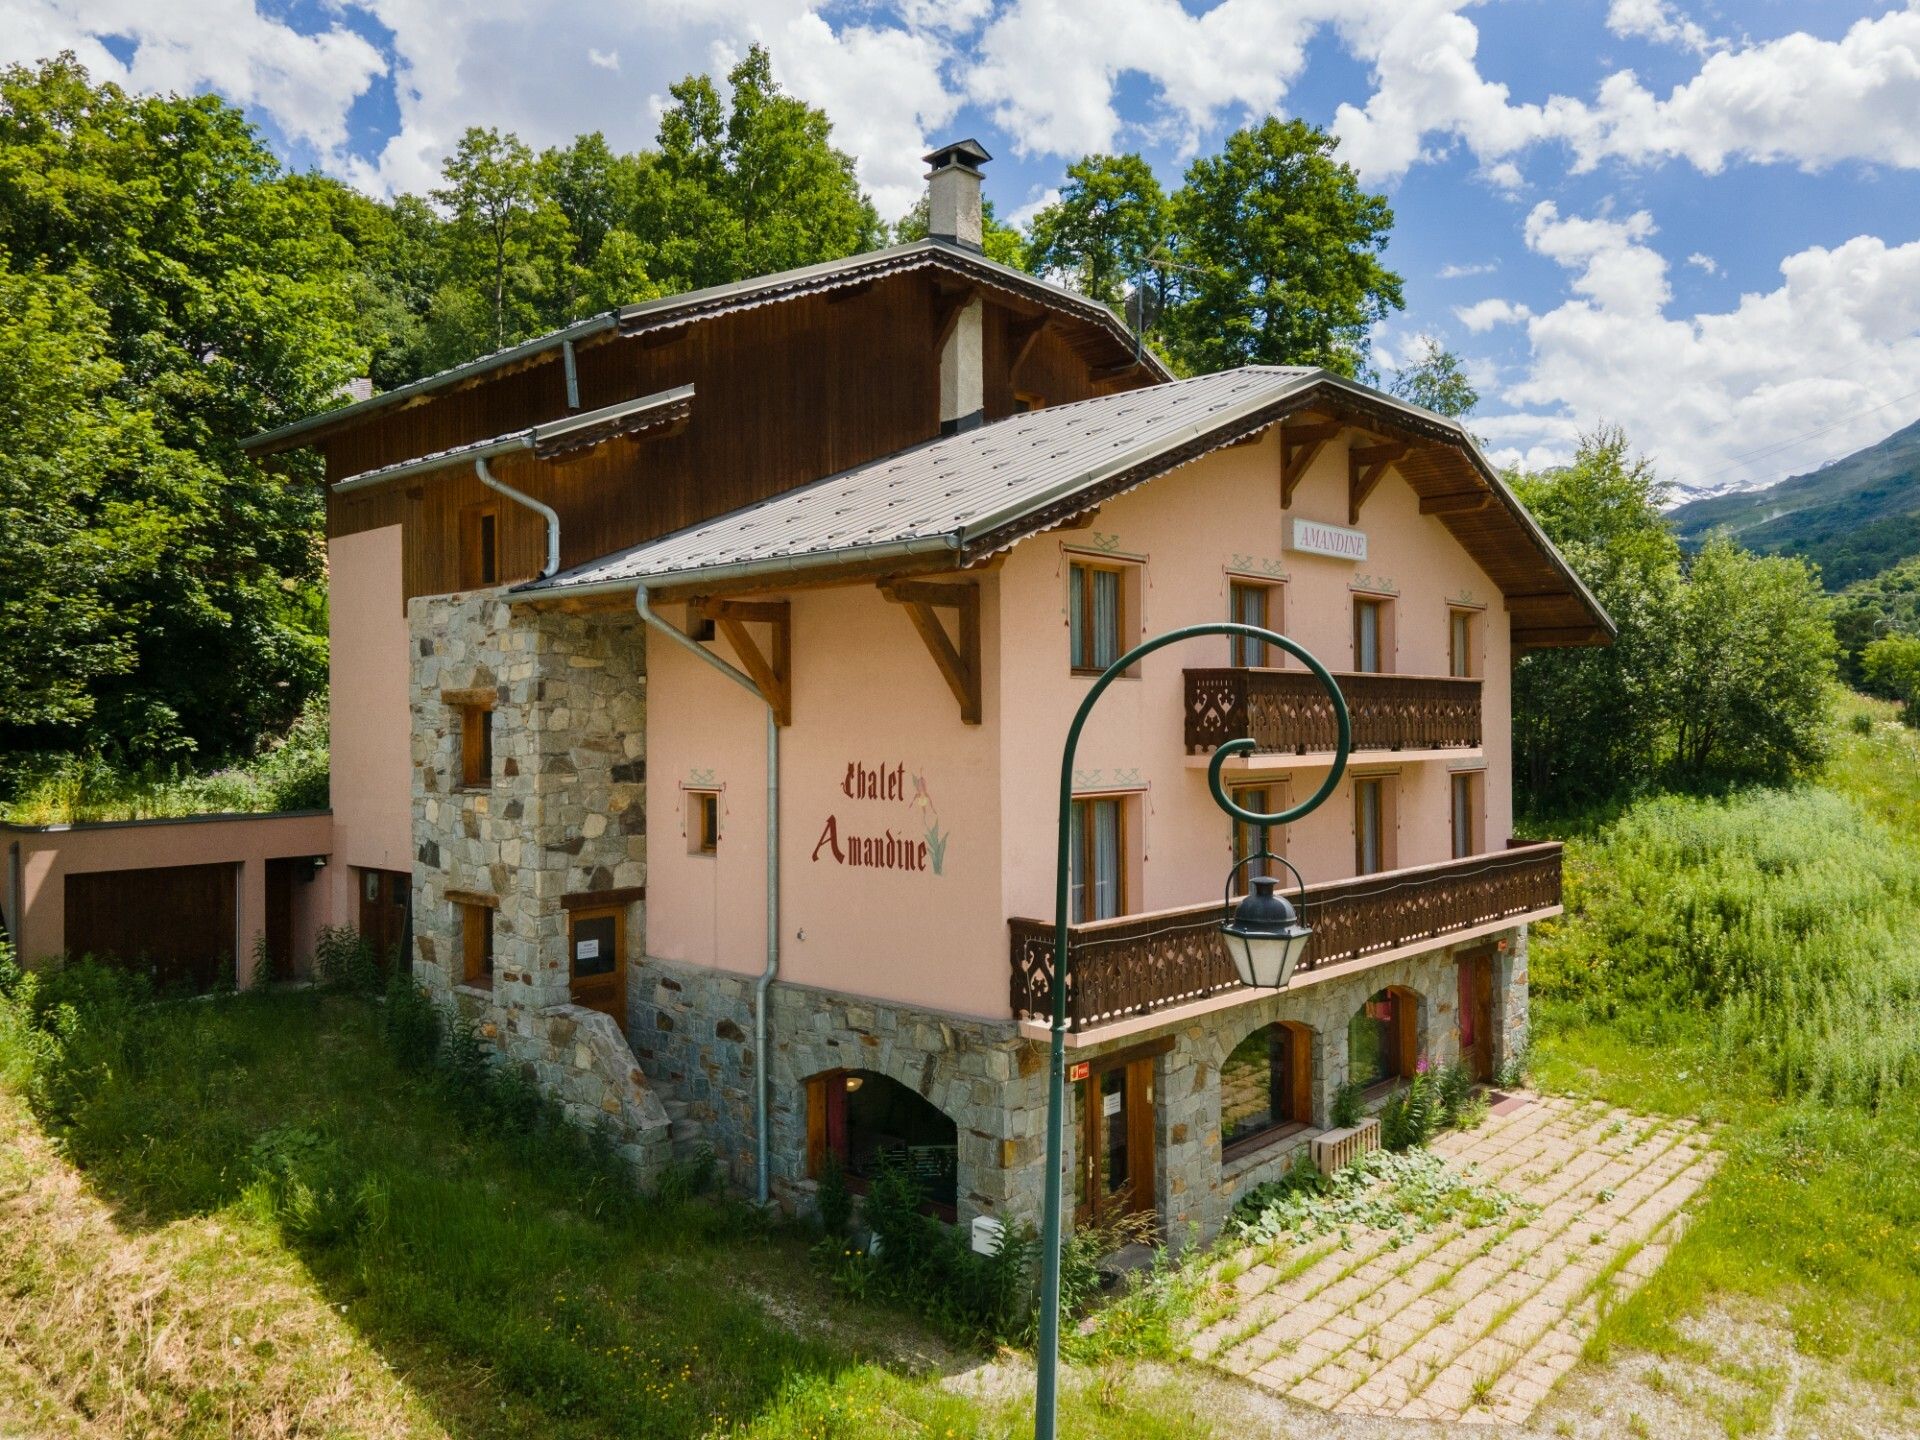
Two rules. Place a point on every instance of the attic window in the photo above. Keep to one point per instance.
(479, 547)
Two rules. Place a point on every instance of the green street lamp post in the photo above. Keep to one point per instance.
(1264, 936)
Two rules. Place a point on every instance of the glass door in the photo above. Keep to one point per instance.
(1117, 1142)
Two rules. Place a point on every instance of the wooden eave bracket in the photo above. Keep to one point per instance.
(1298, 445)
(1022, 336)
(771, 670)
(1366, 465)
(958, 663)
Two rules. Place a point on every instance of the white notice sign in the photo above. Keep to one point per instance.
(1314, 537)
(1110, 1103)
(587, 950)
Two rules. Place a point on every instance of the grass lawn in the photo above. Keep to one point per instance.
(441, 1279)
(1792, 920)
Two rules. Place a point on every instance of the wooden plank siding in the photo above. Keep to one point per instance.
(785, 394)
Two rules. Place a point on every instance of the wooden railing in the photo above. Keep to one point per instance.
(1141, 963)
(1288, 712)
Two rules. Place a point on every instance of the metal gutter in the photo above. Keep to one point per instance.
(772, 967)
(741, 570)
(533, 437)
(541, 508)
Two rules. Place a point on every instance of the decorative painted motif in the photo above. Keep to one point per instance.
(1102, 780)
(886, 785)
(1376, 584)
(1104, 543)
(1258, 565)
(701, 779)
(1467, 597)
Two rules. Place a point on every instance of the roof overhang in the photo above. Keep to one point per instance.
(554, 439)
(671, 311)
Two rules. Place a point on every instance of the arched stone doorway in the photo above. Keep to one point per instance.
(867, 1120)
(1383, 1037)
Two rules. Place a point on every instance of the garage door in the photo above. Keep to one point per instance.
(175, 923)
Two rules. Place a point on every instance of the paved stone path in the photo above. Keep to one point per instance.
(1472, 1324)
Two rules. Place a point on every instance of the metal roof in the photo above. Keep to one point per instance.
(945, 493)
(553, 437)
(968, 495)
(693, 305)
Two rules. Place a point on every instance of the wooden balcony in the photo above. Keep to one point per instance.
(1288, 712)
(1137, 964)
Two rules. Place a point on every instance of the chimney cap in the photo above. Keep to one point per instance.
(967, 155)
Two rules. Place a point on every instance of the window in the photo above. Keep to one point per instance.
(1251, 603)
(1096, 616)
(476, 945)
(1372, 802)
(1246, 838)
(1381, 1038)
(479, 547)
(1461, 661)
(1098, 868)
(1372, 642)
(1266, 1088)
(703, 822)
(1466, 814)
(866, 1120)
(597, 960)
(476, 747)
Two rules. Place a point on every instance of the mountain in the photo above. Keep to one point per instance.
(1853, 517)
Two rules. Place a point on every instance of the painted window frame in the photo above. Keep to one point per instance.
(1463, 642)
(1381, 609)
(1386, 820)
(1244, 653)
(1082, 646)
(476, 945)
(703, 822)
(476, 747)
(1085, 809)
(1473, 784)
(1290, 1092)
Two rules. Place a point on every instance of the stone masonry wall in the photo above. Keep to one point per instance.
(564, 814)
(692, 1030)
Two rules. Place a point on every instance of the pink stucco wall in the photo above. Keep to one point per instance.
(865, 692)
(47, 856)
(372, 748)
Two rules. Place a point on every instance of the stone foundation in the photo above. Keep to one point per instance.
(692, 1031)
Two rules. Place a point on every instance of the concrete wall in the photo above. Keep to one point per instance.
(47, 855)
(371, 749)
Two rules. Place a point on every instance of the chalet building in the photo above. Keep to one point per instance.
(700, 676)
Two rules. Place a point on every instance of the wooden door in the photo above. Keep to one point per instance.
(1117, 1141)
(176, 923)
(597, 947)
(385, 897)
(1476, 1014)
(279, 930)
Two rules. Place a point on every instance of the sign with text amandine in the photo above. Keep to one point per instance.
(1316, 537)
(896, 800)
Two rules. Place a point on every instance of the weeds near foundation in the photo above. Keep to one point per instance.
(1403, 1194)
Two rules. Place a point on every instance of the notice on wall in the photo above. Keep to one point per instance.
(1315, 537)
(587, 950)
(891, 822)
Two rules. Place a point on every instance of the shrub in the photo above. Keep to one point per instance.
(683, 1180)
(832, 1200)
(1349, 1105)
(411, 1024)
(343, 959)
(1412, 1113)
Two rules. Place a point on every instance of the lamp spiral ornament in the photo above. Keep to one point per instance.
(1265, 935)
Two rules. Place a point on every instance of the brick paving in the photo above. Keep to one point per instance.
(1473, 1324)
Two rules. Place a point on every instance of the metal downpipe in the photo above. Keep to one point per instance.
(772, 968)
(546, 512)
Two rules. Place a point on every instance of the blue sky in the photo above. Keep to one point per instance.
(1699, 221)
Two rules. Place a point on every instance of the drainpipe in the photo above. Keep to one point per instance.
(16, 927)
(546, 512)
(772, 968)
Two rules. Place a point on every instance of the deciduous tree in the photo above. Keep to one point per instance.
(1107, 226)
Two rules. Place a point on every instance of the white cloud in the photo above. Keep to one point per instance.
(1835, 340)
(1655, 20)
(1039, 200)
(305, 82)
(1704, 262)
(1504, 175)
(604, 59)
(1461, 272)
(1483, 315)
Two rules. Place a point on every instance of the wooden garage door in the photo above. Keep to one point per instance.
(176, 923)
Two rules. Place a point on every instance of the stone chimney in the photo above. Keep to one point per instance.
(953, 193)
(953, 215)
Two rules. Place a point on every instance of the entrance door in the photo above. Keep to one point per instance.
(1116, 1140)
(385, 897)
(596, 941)
(1476, 1014)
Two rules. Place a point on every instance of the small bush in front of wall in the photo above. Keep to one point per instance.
(343, 959)
(411, 1024)
(1349, 1106)
(833, 1202)
(683, 1180)
(1412, 1113)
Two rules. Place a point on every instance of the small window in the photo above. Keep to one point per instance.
(476, 945)
(1466, 815)
(1372, 824)
(1099, 859)
(1096, 619)
(1250, 603)
(476, 747)
(1372, 644)
(1266, 1088)
(1461, 661)
(1246, 838)
(1381, 1039)
(703, 822)
(479, 547)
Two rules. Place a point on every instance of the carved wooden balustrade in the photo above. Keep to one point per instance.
(1288, 712)
(1141, 963)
